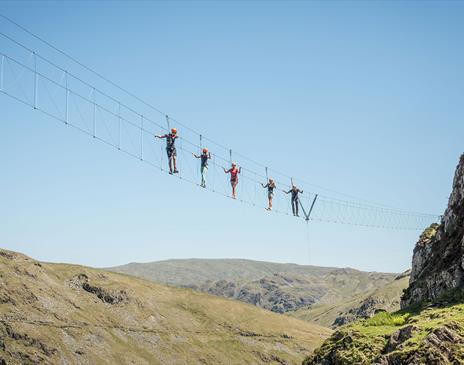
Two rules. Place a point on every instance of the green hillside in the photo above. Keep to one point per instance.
(360, 306)
(68, 314)
(433, 335)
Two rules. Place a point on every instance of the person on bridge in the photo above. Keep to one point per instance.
(233, 171)
(205, 156)
(270, 192)
(171, 149)
(295, 198)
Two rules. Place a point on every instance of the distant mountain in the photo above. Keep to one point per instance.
(361, 306)
(277, 287)
(68, 314)
(194, 272)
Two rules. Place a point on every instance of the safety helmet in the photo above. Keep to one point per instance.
(174, 130)
(205, 150)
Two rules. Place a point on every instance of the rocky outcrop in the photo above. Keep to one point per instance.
(279, 293)
(396, 340)
(82, 281)
(438, 258)
(439, 347)
(368, 308)
(435, 336)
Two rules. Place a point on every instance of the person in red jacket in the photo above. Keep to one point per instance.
(233, 171)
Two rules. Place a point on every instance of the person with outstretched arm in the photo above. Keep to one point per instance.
(270, 192)
(205, 156)
(295, 198)
(233, 171)
(171, 149)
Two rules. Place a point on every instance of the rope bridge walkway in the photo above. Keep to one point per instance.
(37, 82)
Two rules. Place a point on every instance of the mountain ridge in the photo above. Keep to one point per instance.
(275, 286)
(224, 259)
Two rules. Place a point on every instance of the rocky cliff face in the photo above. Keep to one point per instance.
(438, 258)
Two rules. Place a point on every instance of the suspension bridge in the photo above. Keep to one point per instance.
(112, 118)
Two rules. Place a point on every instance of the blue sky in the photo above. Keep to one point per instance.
(360, 97)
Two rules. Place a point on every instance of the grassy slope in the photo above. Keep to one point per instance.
(51, 313)
(437, 337)
(387, 297)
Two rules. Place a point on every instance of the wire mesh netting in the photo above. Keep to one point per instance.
(43, 85)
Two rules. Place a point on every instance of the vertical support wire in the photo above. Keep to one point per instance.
(67, 97)
(161, 153)
(1, 72)
(94, 115)
(141, 138)
(168, 123)
(212, 177)
(35, 80)
(200, 153)
(308, 240)
(255, 183)
(119, 125)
